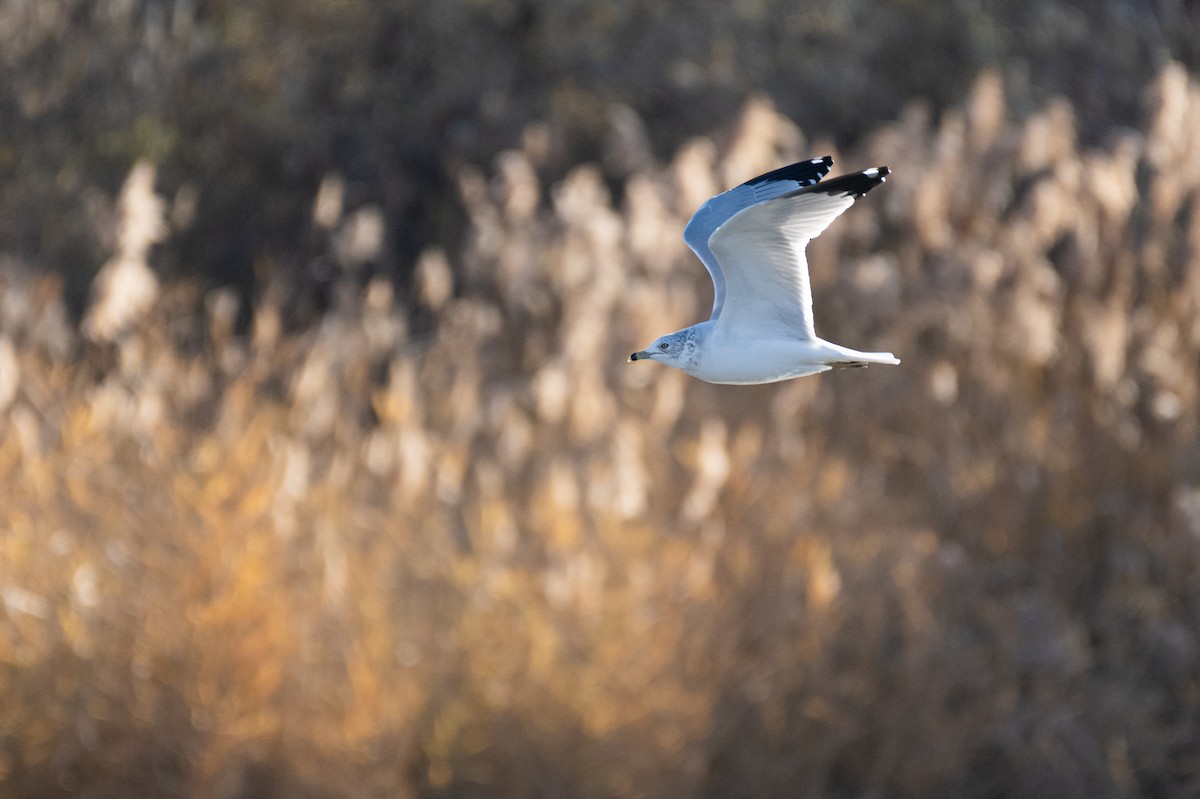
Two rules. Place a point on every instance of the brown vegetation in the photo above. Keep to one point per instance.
(465, 550)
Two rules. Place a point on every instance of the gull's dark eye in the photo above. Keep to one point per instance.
(664, 346)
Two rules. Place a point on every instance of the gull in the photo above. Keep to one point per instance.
(752, 239)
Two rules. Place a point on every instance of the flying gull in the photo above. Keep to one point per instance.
(752, 239)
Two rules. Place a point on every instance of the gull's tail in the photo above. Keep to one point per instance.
(846, 358)
(880, 357)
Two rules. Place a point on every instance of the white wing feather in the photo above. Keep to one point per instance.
(760, 252)
(718, 210)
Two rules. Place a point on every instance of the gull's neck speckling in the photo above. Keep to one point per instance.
(691, 339)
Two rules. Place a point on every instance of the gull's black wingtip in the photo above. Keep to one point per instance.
(806, 173)
(855, 185)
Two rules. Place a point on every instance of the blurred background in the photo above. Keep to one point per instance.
(322, 473)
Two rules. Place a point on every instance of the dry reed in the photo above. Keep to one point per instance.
(452, 545)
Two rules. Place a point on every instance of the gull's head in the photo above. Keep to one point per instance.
(669, 349)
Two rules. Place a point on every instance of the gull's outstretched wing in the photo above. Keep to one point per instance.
(719, 209)
(760, 253)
